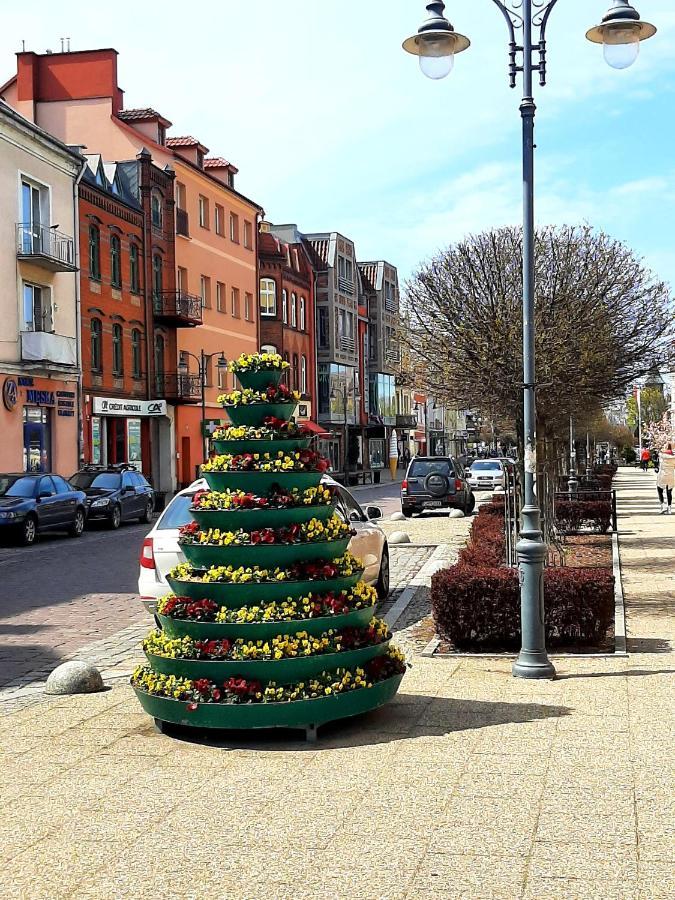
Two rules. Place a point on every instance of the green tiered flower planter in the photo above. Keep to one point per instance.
(226, 712)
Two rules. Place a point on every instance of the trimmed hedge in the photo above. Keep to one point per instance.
(479, 608)
(487, 542)
(572, 514)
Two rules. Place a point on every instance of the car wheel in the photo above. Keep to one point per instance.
(29, 531)
(470, 505)
(382, 586)
(408, 513)
(147, 515)
(115, 519)
(77, 527)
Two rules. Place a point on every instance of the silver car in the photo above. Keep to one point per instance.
(161, 550)
(486, 475)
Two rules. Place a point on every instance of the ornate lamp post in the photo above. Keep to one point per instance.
(202, 362)
(436, 44)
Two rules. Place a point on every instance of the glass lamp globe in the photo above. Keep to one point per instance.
(621, 46)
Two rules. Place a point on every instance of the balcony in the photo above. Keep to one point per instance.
(45, 347)
(406, 421)
(178, 388)
(182, 222)
(45, 247)
(177, 308)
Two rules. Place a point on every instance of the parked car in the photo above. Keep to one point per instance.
(161, 550)
(32, 503)
(486, 474)
(115, 494)
(435, 482)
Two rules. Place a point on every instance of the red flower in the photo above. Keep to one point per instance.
(256, 537)
(192, 706)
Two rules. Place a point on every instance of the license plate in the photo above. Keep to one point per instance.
(433, 503)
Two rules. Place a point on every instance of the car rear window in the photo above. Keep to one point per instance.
(177, 513)
(105, 481)
(486, 465)
(420, 468)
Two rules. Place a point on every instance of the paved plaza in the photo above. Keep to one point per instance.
(469, 784)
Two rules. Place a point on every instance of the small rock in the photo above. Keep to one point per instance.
(74, 677)
(397, 517)
(456, 514)
(399, 537)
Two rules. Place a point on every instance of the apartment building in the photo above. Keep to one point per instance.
(39, 346)
(131, 313)
(76, 96)
(286, 291)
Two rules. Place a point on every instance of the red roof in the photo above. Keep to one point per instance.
(138, 115)
(217, 162)
(185, 141)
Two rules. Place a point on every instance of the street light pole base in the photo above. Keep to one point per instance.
(533, 664)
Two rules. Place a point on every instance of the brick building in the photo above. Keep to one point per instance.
(286, 291)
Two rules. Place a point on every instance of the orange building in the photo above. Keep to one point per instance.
(76, 97)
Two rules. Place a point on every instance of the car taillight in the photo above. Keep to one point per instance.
(458, 484)
(404, 485)
(147, 555)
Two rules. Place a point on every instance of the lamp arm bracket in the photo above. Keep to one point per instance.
(511, 10)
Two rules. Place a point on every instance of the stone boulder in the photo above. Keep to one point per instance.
(74, 677)
(399, 537)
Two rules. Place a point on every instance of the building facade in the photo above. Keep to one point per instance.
(286, 292)
(76, 96)
(39, 344)
(130, 314)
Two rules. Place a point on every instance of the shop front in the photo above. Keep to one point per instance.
(137, 432)
(39, 425)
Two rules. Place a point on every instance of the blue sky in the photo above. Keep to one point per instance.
(332, 126)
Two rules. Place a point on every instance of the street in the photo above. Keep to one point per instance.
(62, 594)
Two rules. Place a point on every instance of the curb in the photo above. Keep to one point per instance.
(431, 566)
(619, 604)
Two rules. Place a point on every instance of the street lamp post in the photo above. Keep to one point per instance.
(572, 481)
(343, 395)
(202, 361)
(436, 44)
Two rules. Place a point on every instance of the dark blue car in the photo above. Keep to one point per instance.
(30, 504)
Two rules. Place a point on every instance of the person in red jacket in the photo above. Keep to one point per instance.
(645, 456)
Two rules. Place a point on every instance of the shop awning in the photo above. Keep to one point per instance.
(314, 428)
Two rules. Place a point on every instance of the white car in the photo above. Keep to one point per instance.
(161, 550)
(486, 475)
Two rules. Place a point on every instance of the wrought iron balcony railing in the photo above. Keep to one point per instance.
(182, 222)
(178, 308)
(177, 388)
(45, 247)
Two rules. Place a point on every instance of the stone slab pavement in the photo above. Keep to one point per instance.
(470, 784)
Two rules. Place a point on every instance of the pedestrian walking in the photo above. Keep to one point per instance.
(645, 456)
(665, 480)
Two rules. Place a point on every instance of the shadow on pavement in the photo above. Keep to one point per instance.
(408, 717)
(629, 673)
(21, 660)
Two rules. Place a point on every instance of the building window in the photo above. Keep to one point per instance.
(220, 296)
(157, 280)
(234, 228)
(159, 358)
(115, 262)
(182, 281)
(303, 374)
(96, 345)
(235, 302)
(295, 372)
(203, 212)
(322, 315)
(248, 235)
(268, 297)
(161, 134)
(219, 219)
(117, 349)
(156, 209)
(205, 291)
(37, 308)
(94, 252)
(134, 272)
(284, 306)
(136, 353)
(200, 158)
(268, 348)
(302, 314)
(294, 310)
(286, 376)
(248, 303)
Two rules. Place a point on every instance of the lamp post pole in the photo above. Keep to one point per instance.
(346, 439)
(436, 45)
(202, 361)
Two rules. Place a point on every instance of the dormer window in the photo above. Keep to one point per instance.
(200, 158)
(161, 134)
(230, 179)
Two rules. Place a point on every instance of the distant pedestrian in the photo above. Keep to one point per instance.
(665, 480)
(645, 456)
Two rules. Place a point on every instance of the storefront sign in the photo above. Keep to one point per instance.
(134, 440)
(40, 398)
(112, 406)
(96, 440)
(26, 381)
(10, 394)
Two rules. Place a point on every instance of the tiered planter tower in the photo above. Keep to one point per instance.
(227, 653)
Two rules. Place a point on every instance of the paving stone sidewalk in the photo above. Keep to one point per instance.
(470, 784)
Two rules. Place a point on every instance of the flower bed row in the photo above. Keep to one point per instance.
(299, 461)
(311, 532)
(344, 566)
(272, 429)
(277, 498)
(258, 362)
(272, 394)
(239, 690)
(362, 596)
(571, 515)
(281, 646)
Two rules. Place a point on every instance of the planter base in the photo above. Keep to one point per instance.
(301, 714)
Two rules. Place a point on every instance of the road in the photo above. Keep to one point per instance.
(63, 594)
